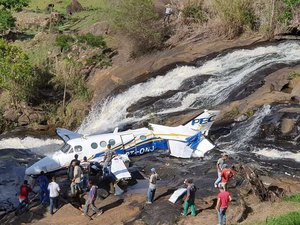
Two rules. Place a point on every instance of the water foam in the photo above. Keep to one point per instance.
(275, 154)
(240, 136)
(36, 145)
(227, 72)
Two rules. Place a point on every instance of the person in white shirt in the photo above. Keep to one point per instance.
(168, 13)
(54, 190)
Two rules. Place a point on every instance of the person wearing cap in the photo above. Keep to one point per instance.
(226, 175)
(189, 200)
(220, 164)
(85, 166)
(152, 186)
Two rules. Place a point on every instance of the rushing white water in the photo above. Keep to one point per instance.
(275, 154)
(226, 72)
(36, 145)
(239, 138)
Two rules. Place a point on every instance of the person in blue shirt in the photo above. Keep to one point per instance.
(43, 182)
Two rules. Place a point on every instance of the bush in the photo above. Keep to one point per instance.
(92, 40)
(139, 20)
(236, 15)
(292, 218)
(64, 42)
(287, 13)
(17, 76)
(195, 12)
(293, 75)
(7, 21)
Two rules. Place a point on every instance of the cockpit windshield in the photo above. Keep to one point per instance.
(65, 148)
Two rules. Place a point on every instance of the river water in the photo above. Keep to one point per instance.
(211, 83)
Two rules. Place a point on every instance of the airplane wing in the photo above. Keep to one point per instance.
(67, 135)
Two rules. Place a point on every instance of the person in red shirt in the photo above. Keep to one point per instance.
(24, 191)
(222, 204)
(226, 175)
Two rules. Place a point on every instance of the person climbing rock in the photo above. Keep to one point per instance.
(219, 165)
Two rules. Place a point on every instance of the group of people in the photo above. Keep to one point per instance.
(223, 199)
(49, 192)
(78, 173)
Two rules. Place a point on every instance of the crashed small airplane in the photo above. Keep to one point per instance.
(184, 141)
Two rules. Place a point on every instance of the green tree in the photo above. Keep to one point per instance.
(7, 21)
(14, 4)
(17, 76)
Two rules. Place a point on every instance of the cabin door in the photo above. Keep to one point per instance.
(128, 141)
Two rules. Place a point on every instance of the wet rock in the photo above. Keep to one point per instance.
(241, 118)
(287, 125)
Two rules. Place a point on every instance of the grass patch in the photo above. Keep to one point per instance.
(293, 198)
(61, 5)
(293, 75)
(292, 218)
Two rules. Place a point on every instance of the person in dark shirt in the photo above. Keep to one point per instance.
(92, 196)
(71, 166)
(43, 182)
(189, 200)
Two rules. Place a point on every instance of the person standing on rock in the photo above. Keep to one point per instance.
(152, 186)
(75, 185)
(43, 182)
(107, 161)
(91, 200)
(54, 190)
(220, 164)
(85, 165)
(189, 201)
(168, 13)
(71, 167)
(226, 175)
(222, 204)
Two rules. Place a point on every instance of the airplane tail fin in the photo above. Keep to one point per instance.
(203, 122)
(67, 135)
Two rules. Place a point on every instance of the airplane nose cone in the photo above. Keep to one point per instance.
(46, 164)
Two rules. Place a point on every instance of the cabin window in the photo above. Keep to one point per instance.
(94, 145)
(143, 137)
(112, 142)
(65, 148)
(78, 148)
(71, 151)
(103, 144)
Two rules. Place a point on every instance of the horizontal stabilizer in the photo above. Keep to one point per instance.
(119, 169)
(180, 149)
(178, 194)
(67, 135)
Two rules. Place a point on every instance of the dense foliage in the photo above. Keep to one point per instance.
(7, 21)
(14, 4)
(17, 75)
